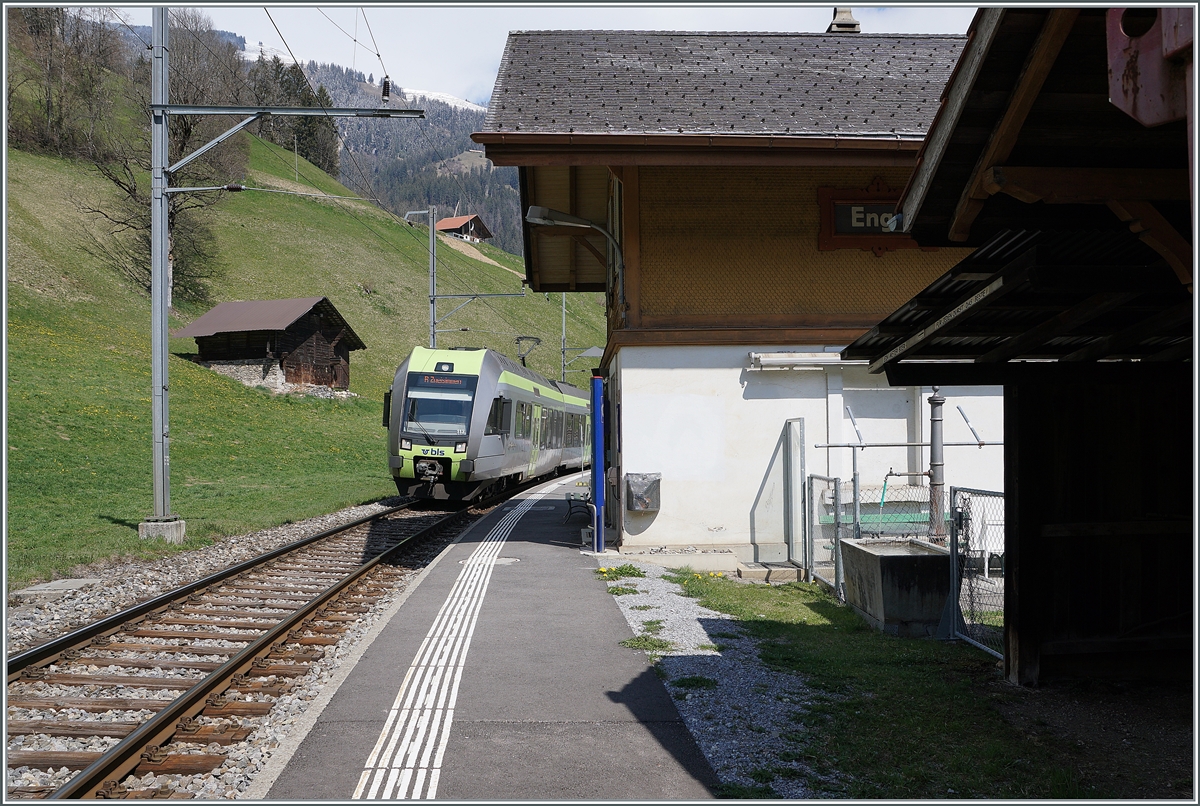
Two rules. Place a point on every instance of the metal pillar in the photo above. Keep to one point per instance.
(564, 338)
(598, 462)
(162, 524)
(432, 277)
(937, 468)
(854, 465)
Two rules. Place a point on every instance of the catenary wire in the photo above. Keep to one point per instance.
(121, 20)
(367, 183)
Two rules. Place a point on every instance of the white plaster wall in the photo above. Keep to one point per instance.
(711, 427)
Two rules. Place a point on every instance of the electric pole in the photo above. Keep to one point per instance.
(162, 523)
(432, 277)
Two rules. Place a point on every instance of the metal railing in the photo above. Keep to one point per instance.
(977, 569)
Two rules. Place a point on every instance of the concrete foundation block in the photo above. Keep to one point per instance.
(771, 572)
(752, 571)
(53, 590)
(170, 531)
(784, 572)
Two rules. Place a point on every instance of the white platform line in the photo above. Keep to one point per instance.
(412, 744)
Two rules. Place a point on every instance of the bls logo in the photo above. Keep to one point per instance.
(433, 452)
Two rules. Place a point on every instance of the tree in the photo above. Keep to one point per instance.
(64, 67)
(317, 137)
(203, 69)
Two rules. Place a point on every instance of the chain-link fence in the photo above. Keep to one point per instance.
(824, 530)
(897, 510)
(977, 542)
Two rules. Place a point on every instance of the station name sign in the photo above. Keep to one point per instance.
(862, 219)
(858, 218)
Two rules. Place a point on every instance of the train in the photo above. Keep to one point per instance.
(467, 422)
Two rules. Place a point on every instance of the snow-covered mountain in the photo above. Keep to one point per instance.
(255, 49)
(445, 98)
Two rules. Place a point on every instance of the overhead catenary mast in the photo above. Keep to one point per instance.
(163, 523)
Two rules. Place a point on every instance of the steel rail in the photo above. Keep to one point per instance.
(50, 650)
(123, 757)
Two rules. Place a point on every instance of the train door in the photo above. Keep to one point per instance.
(535, 441)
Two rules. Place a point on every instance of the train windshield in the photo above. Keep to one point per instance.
(439, 405)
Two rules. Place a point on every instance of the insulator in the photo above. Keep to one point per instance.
(387, 89)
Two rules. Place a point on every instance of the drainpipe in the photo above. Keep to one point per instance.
(598, 460)
(937, 465)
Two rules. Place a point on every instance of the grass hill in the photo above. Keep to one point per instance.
(78, 375)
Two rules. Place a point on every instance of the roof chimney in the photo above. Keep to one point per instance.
(843, 22)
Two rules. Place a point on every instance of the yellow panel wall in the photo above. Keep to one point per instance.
(742, 242)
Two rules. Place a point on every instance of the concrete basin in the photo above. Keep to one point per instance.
(898, 585)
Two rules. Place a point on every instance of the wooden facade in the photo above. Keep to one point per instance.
(722, 254)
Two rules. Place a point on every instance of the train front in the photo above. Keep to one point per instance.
(433, 399)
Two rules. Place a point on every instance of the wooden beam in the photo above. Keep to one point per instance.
(1066, 321)
(635, 337)
(572, 207)
(631, 242)
(691, 155)
(1087, 185)
(1157, 233)
(581, 239)
(1005, 281)
(958, 90)
(1131, 335)
(1176, 352)
(1054, 33)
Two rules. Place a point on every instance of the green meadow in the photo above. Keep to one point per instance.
(79, 443)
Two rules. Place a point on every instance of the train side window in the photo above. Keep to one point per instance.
(526, 415)
(499, 416)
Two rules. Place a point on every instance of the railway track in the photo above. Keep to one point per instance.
(161, 687)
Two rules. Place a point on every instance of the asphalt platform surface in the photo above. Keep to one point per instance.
(502, 677)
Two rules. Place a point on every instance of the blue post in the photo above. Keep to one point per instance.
(598, 462)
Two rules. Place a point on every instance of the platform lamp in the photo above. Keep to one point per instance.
(546, 217)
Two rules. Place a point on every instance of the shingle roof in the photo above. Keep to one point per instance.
(454, 222)
(271, 314)
(643, 82)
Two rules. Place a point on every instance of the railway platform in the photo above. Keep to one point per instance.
(499, 677)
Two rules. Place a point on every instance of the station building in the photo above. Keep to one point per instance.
(741, 185)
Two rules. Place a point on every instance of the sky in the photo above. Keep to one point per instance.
(457, 49)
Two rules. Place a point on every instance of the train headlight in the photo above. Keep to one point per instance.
(460, 447)
(406, 444)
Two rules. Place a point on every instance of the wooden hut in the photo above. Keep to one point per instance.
(307, 338)
(467, 227)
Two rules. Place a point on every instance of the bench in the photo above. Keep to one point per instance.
(578, 502)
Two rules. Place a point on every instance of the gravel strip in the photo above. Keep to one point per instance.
(741, 713)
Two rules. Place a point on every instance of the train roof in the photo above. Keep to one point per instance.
(469, 360)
